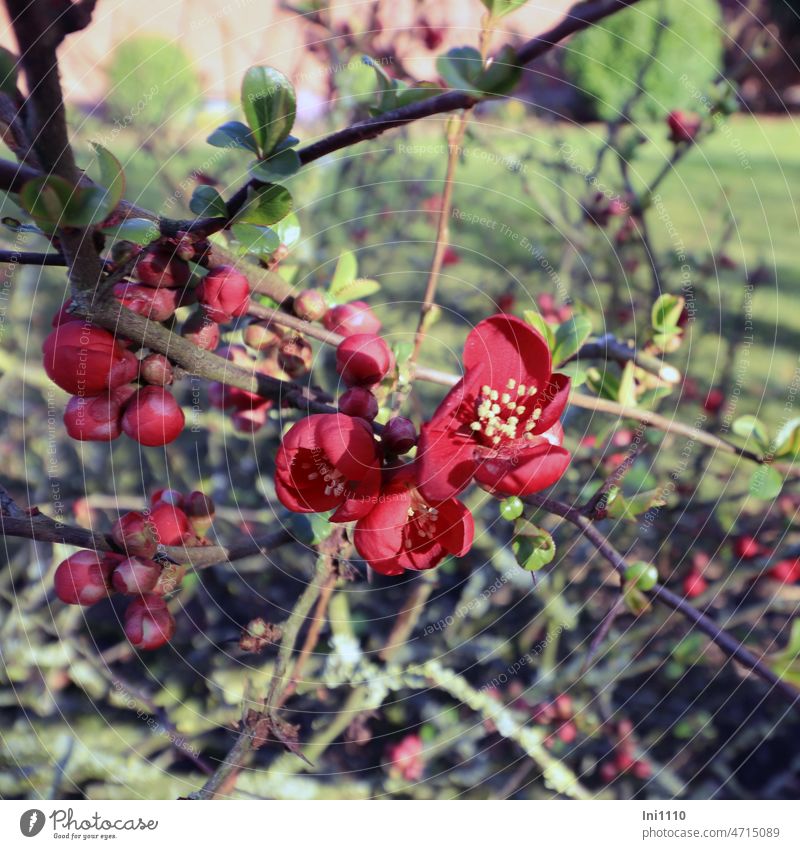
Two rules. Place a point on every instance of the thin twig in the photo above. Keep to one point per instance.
(728, 644)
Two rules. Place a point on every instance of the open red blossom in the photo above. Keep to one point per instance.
(326, 462)
(500, 423)
(404, 531)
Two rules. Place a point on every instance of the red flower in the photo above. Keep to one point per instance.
(500, 422)
(224, 294)
(328, 462)
(404, 531)
(86, 360)
(134, 533)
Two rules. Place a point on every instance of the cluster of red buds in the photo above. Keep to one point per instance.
(114, 390)
(623, 759)
(139, 569)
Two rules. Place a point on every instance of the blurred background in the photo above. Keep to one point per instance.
(659, 713)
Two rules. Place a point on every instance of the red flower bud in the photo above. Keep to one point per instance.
(64, 314)
(641, 770)
(399, 435)
(359, 402)
(200, 330)
(352, 318)
(86, 360)
(155, 304)
(787, 571)
(295, 356)
(167, 496)
(156, 369)
(148, 622)
(310, 305)
(224, 293)
(683, 126)
(714, 401)
(83, 578)
(608, 772)
(170, 523)
(153, 417)
(95, 419)
(567, 732)
(200, 510)
(135, 575)
(262, 335)
(694, 584)
(252, 419)
(746, 547)
(363, 359)
(161, 267)
(134, 533)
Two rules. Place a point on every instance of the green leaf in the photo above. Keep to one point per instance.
(787, 440)
(356, 290)
(502, 75)
(570, 336)
(53, 202)
(501, 8)
(288, 230)
(650, 397)
(604, 383)
(140, 231)
(536, 321)
(666, 312)
(461, 68)
(266, 205)
(269, 105)
(233, 134)
(344, 274)
(112, 177)
(751, 427)
(626, 394)
(575, 372)
(255, 239)
(207, 201)
(533, 547)
(766, 483)
(405, 94)
(280, 166)
(8, 72)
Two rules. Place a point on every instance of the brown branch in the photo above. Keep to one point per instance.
(42, 528)
(732, 647)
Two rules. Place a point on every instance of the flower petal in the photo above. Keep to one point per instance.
(360, 500)
(348, 443)
(532, 470)
(455, 527)
(508, 348)
(379, 535)
(552, 400)
(445, 462)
